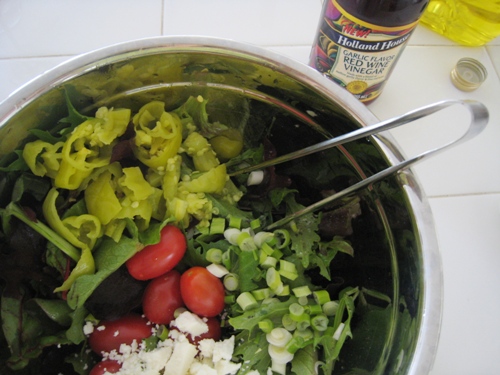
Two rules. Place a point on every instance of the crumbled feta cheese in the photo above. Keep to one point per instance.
(198, 368)
(176, 355)
(206, 347)
(227, 367)
(190, 323)
(223, 350)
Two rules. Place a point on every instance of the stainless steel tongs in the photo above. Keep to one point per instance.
(479, 119)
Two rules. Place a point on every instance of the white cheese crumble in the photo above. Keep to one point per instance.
(88, 328)
(190, 323)
(176, 355)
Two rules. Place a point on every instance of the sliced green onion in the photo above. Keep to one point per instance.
(278, 367)
(214, 256)
(283, 238)
(235, 222)
(255, 178)
(296, 343)
(278, 254)
(262, 238)
(304, 301)
(293, 226)
(279, 354)
(266, 325)
(266, 249)
(330, 308)
(320, 322)
(255, 224)
(285, 291)
(268, 262)
(231, 282)
(229, 299)
(287, 266)
(296, 311)
(307, 334)
(218, 270)
(315, 309)
(303, 324)
(217, 225)
(261, 294)
(338, 331)
(301, 291)
(273, 279)
(246, 301)
(278, 337)
(245, 242)
(321, 296)
(288, 323)
(289, 275)
(203, 230)
(288, 269)
(226, 258)
(162, 332)
(231, 235)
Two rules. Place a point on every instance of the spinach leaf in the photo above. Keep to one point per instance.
(108, 258)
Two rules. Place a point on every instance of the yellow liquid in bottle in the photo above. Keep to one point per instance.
(468, 22)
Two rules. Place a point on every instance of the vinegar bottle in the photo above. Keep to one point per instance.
(358, 42)
(468, 22)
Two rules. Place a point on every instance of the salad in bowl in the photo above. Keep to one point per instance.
(128, 247)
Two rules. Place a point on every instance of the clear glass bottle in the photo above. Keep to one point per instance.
(468, 22)
(358, 42)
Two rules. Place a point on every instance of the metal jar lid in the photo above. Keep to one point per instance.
(468, 74)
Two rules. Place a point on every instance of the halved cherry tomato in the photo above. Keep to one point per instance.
(202, 292)
(162, 297)
(109, 335)
(155, 260)
(107, 366)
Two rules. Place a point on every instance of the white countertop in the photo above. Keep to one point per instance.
(463, 184)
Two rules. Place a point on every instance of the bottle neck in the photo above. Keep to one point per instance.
(389, 13)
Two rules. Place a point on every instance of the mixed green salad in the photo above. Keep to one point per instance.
(80, 203)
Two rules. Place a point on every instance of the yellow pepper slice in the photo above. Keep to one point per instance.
(101, 199)
(171, 177)
(52, 217)
(85, 266)
(43, 158)
(89, 146)
(227, 144)
(87, 228)
(158, 134)
(200, 150)
(212, 181)
(134, 184)
(82, 232)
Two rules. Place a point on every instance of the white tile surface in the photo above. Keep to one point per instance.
(31, 28)
(464, 183)
(467, 229)
(263, 22)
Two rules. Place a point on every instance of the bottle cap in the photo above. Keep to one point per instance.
(468, 74)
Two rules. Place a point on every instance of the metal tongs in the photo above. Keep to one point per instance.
(479, 119)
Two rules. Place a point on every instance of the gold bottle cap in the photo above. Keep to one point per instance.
(468, 74)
